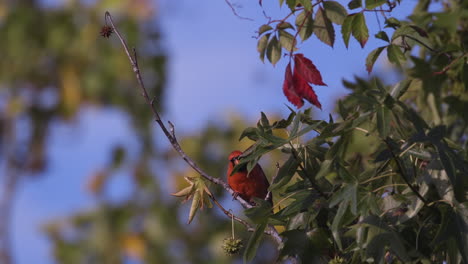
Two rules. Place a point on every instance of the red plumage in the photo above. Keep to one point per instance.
(247, 187)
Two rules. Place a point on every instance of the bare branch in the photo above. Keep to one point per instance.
(235, 12)
(171, 134)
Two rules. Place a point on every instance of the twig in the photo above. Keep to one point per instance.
(171, 134)
(173, 140)
(403, 173)
(312, 181)
(235, 12)
(269, 197)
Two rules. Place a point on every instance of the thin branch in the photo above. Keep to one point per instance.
(173, 140)
(402, 171)
(171, 134)
(312, 181)
(235, 12)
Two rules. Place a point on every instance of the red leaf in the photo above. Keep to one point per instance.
(305, 68)
(304, 90)
(289, 88)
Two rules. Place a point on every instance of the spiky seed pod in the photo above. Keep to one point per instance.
(232, 246)
(106, 31)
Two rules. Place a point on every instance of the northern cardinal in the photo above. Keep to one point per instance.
(247, 187)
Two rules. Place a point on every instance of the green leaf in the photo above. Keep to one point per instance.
(305, 24)
(291, 4)
(196, 203)
(323, 28)
(395, 55)
(371, 4)
(284, 25)
(336, 224)
(254, 242)
(307, 4)
(273, 51)
(383, 121)
(400, 88)
(335, 12)
(377, 246)
(324, 169)
(285, 173)
(250, 133)
(346, 29)
(284, 123)
(353, 4)
(259, 213)
(372, 57)
(359, 29)
(382, 35)
(464, 75)
(287, 41)
(264, 120)
(392, 22)
(447, 163)
(262, 45)
(264, 28)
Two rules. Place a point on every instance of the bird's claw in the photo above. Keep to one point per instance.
(235, 195)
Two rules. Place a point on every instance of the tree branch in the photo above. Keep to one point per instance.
(170, 134)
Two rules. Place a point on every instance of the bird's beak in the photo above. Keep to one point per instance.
(234, 161)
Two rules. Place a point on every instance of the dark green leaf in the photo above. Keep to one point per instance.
(264, 28)
(262, 46)
(372, 57)
(285, 173)
(284, 123)
(335, 12)
(254, 242)
(264, 120)
(273, 51)
(383, 120)
(250, 133)
(287, 41)
(371, 4)
(291, 4)
(359, 29)
(382, 35)
(377, 246)
(336, 224)
(259, 213)
(400, 88)
(284, 25)
(464, 75)
(447, 162)
(353, 4)
(324, 169)
(305, 24)
(346, 29)
(395, 55)
(323, 28)
(307, 4)
(392, 22)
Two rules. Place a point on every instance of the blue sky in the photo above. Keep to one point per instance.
(213, 70)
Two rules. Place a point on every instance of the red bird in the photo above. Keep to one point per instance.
(247, 186)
